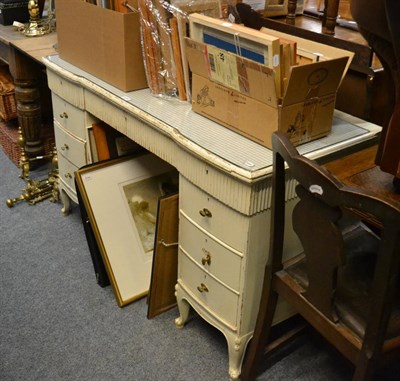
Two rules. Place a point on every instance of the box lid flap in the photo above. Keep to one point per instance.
(314, 80)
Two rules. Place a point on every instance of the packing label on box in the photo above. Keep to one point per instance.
(223, 67)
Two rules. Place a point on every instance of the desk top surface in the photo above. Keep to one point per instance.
(207, 139)
(9, 34)
(35, 47)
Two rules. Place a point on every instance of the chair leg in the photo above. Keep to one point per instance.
(256, 350)
(365, 369)
(291, 15)
(330, 15)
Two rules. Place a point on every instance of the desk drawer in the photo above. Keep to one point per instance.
(70, 91)
(70, 147)
(71, 118)
(217, 299)
(218, 259)
(216, 218)
(66, 171)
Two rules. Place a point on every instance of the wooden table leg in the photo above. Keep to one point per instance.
(291, 15)
(26, 74)
(330, 15)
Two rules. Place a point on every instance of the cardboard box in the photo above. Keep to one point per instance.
(240, 94)
(103, 42)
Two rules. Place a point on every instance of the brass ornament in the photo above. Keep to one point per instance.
(36, 190)
(38, 26)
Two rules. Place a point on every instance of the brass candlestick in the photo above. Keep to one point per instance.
(38, 26)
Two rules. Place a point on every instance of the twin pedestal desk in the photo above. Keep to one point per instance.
(224, 190)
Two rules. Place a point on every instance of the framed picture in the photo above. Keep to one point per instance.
(121, 198)
(210, 8)
(305, 56)
(235, 38)
(164, 273)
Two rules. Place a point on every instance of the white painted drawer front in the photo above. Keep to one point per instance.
(66, 171)
(214, 257)
(71, 118)
(217, 299)
(223, 222)
(70, 147)
(71, 92)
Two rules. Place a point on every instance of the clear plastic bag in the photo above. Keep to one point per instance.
(164, 26)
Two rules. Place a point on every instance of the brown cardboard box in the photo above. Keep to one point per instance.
(103, 42)
(240, 94)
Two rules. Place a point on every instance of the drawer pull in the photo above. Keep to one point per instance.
(68, 176)
(64, 115)
(165, 244)
(206, 260)
(64, 147)
(205, 213)
(202, 288)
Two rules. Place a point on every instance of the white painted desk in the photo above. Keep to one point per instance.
(224, 195)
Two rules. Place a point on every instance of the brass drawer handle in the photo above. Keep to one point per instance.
(68, 175)
(64, 147)
(165, 244)
(64, 115)
(205, 213)
(202, 288)
(206, 260)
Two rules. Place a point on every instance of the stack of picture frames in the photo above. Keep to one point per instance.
(276, 51)
(254, 45)
(164, 27)
(166, 24)
(129, 209)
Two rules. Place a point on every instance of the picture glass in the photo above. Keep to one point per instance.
(142, 198)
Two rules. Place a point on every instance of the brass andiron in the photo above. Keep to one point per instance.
(38, 26)
(36, 190)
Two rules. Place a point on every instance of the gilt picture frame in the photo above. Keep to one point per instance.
(121, 198)
(165, 258)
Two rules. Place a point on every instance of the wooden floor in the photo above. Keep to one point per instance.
(360, 170)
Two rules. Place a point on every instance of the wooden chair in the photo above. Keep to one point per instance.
(346, 283)
(331, 11)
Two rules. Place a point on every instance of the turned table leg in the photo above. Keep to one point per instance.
(291, 15)
(330, 15)
(29, 116)
(26, 74)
